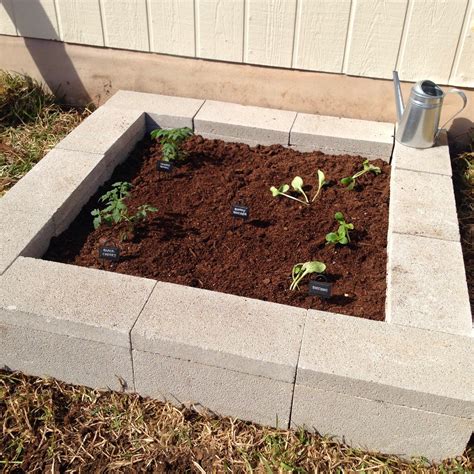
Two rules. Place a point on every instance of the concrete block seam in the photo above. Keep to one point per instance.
(211, 365)
(424, 236)
(296, 369)
(130, 334)
(387, 403)
(289, 144)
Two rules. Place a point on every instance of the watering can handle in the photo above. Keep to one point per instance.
(464, 100)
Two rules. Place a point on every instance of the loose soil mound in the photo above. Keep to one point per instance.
(193, 239)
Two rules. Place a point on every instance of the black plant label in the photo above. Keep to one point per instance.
(165, 166)
(239, 211)
(322, 289)
(109, 253)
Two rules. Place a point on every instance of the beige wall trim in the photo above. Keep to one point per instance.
(88, 74)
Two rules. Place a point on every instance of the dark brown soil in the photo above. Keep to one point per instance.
(193, 239)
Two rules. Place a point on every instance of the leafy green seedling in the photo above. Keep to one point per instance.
(350, 181)
(321, 182)
(342, 235)
(282, 190)
(171, 141)
(297, 185)
(300, 270)
(116, 210)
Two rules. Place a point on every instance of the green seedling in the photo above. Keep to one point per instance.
(350, 181)
(321, 182)
(300, 270)
(116, 210)
(342, 235)
(297, 185)
(171, 141)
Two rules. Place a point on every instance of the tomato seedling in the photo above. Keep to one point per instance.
(116, 210)
(297, 185)
(350, 181)
(300, 270)
(342, 235)
(171, 141)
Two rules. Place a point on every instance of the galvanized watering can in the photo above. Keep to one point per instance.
(418, 123)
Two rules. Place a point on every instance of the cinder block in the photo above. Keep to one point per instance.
(226, 392)
(360, 137)
(70, 359)
(374, 425)
(426, 285)
(108, 131)
(58, 186)
(422, 204)
(22, 233)
(420, 369)
(72, 301)
(258, 124)
(428, 160)
(162, 111)
(222, 330)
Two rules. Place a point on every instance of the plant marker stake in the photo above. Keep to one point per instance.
(323, 288)
(239, 212)
(107, 252)
(163, 166)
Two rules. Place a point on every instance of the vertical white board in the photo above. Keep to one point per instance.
(80, 21)
(269, 32)
(125, 24)
(36, 19)
(320, 37)
(374, 37)
(172, 26)
(463, 69)
(220, 29)
(430, 41)
(7, 25)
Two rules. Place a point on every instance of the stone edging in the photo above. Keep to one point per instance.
(403, 386)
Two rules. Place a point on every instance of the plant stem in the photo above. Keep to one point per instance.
(295, 199)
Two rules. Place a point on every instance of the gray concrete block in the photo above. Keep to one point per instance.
(58, 186)
(211, 136)
(225, 392)
(428, 160)
(334, 152)
(162, 111)
(75, 301)
(218, 329)
(22, 233)
(258, 124)
(108, 131)
(426, 285)
(374, 425)
(66, 358)
(360, 137)
(420, 369)
(422, 204)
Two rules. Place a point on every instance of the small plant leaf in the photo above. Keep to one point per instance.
(275, 192)
(297, 184)
(332, 238)
(321, 179)
(314, 267)
(349, 181)
(339, 216)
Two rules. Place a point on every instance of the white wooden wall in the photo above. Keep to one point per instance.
(421, 38)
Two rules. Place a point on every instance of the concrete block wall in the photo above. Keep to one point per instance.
(403, 386)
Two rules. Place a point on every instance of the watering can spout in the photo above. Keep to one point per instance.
(398, 96)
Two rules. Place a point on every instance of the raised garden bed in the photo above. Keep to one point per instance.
(403, 385)
(193, 239)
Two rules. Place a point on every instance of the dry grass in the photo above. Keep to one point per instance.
(49, 426)
(31, 123)
(462, 157)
